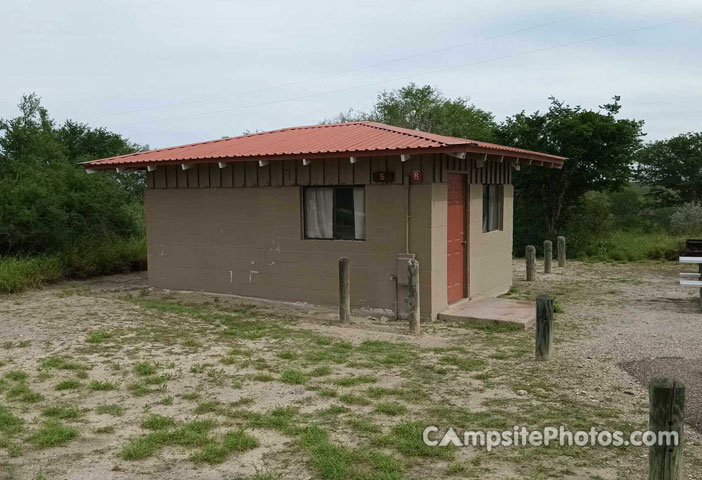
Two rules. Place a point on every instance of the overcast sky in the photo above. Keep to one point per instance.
(169, 72)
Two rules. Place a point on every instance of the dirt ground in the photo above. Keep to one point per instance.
(107, 379)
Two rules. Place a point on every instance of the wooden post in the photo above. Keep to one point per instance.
(548, 255)
(561, 252)
(530, 263)
(413, 295)
(544, 327)
(666, 397)
(344, 291)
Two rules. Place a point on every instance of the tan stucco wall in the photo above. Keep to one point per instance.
(489, 254)
(249, 242)
(428, 243)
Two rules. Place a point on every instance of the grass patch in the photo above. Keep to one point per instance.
(71, 384)
(294, 377)
(352, 381)
(98, 386)
(62, 413)
(287, 355)
(214, 453)
(193, 434)
(280, 419)
(99, 336)
(363, 425)
(354, 400)
(327, 392)
(61, 363)
(464, 364)
(157, 422)
(386, 353)
(390, 408)
(16, 375)
(322, 371)
(112, 409)
(406, 438)
(144, 368)
(53, 434)
(9, 424)
(336, 462)
(22, 393)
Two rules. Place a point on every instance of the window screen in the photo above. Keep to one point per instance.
(492, 207)
(335, 213)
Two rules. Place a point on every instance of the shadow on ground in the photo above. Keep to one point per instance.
(688, 371)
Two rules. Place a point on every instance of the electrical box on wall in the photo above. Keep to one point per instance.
(402, 262)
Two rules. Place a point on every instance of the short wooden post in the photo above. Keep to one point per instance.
(666, 400)
(544, 327)
(344, 291)
(561, 252)
(548, 255)
(413, 295)
(530, 263)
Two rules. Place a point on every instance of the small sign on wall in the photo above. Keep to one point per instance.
(415, 176)
(383, 177)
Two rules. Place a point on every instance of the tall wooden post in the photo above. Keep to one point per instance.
(561, 252)
(530, 263)
(548, 255)
(666, 400)
(544, 327)
(344, 291)
(413, 295)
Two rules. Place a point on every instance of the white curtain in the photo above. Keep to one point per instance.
(359, 213)
(319, 203)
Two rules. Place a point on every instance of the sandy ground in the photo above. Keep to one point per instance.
(645, 322)
(621, 324)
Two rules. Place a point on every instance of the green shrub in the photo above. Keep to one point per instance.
(104, 257)
(17, 274)
(687, 218)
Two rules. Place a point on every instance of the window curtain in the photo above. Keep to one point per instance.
(319, 205)
(359, 213)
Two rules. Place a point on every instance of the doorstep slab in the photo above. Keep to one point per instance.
(495, 311)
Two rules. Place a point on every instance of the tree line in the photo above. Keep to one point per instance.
(614, 188)
(613, 181)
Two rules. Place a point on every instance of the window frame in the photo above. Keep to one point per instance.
(500, 197)
(303, 212)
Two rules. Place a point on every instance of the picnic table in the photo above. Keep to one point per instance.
(692, 279)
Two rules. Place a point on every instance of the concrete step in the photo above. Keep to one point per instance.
(495, 311)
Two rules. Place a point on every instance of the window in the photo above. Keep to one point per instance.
(492, 208)
(335, 213)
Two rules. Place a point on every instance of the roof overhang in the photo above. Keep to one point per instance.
(342, 140)
(474, 151)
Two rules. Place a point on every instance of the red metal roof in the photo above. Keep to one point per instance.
(314, 141)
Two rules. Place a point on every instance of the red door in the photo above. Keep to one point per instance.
(456, 261)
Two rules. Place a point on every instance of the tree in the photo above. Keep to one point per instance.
(673, 169)
(48, 202)
(425, 108)
(599, 147)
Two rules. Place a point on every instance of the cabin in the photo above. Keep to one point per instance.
(268, 215)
